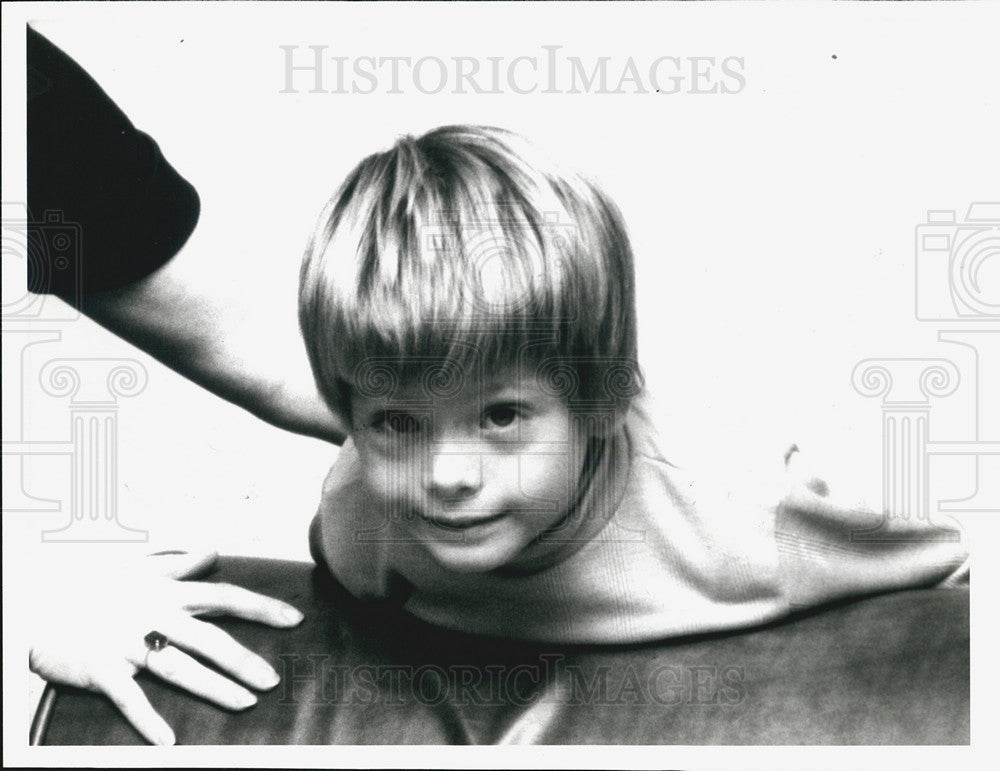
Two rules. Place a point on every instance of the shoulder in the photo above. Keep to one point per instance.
(710, 461)
(654, 434)
(348, 534)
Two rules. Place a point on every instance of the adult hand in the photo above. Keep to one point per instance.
(91, 635)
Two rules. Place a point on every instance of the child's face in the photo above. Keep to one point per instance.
(475, 475)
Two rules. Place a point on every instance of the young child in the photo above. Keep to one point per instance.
(468, 310)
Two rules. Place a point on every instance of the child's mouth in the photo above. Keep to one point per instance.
(461, 523)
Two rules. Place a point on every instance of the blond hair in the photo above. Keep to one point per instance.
(465, 247)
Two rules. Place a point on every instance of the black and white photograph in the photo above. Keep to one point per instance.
(500, 384)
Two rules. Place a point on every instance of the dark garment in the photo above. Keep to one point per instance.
(891, 669)
(106, 208)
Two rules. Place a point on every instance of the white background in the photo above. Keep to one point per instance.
(773, 229)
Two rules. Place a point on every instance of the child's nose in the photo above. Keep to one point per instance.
(456, 472)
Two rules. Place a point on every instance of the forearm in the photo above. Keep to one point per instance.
(133, 213)
(221, 341)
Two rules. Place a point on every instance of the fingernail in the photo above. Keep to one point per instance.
(166, 738)
(291, 615)
(265, 676)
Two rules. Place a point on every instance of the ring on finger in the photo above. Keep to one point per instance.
(155, 641)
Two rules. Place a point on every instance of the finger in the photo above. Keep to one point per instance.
(126, 694)
(215, 645)
(181, 564)
(201, 598)
(175, 666)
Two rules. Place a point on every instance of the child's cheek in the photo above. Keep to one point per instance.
(544, 476)
(388, 479)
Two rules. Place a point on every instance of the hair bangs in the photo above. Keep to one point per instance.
(452, 253)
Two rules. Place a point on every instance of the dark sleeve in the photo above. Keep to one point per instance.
(105, 207)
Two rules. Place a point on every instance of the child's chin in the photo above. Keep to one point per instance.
(466, 558)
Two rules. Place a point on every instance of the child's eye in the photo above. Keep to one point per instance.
(500, 416)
